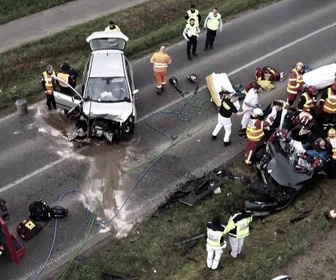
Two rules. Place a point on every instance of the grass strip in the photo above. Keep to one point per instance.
(12, 10)
(149, 251)
(148, 26)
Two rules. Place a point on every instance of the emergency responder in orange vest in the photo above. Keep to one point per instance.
(332, 140)
(193, 13)
(238, 228)
(328, 105)
(112, 27)
(268, 73)
(69, 76)
(295, 82)
(212, 22)
(254, 133)
(48, 85)
(160, 61)
(215, 243)
(190, 33)
(308, 102)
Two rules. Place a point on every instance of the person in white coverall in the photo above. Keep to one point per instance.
(251, 102)
(228, 107)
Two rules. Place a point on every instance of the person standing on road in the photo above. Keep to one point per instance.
(48, 85)
(215, 243)
(225, 112)
(160, 61)
(238, 228)
(190, 33)
(295, 82)
(251, 102)
(193, 13)
(255, 132)
(112, 27)
(212, 22)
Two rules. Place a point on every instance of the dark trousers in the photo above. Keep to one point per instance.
(329, 119)
(51, 101)
(210, 38)
(192, 43)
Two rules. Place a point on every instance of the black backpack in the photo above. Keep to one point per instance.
(39, 211)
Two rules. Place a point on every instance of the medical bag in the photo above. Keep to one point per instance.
(27, 229)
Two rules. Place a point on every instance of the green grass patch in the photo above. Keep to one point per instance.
(15, 9)
(148, 26)
(149, 251)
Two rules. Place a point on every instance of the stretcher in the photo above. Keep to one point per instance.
(321, 77)
(217, 83)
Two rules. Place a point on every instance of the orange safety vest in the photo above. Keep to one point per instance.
(294, 82)
(64, 77)
(160, 62)
(330, 103)
(308, 104)
(255, 130)
(48, 82)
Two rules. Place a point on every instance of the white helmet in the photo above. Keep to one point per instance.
(257, 112)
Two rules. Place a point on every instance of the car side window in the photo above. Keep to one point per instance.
(129, 74)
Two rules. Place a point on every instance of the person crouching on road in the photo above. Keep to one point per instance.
(160, 61)
(190, 33)
(238, 228)
(225, 112)
(215, 243)
(48, 85)
(254, 133)
(251, 102)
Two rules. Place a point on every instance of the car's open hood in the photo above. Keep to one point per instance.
(118, 111)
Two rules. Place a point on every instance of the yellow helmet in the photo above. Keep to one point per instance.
(331, 133)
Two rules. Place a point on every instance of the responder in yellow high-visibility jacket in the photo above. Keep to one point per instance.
(112, 27)
(238, 228)
(212, 23)
(193, 13)
(67, 76)
(190, 33)
(215, 243)
(160, 61)
(48, 85)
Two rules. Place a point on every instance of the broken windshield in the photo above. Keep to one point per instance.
(107, 90)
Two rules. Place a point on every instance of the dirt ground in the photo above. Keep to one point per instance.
(318, 263)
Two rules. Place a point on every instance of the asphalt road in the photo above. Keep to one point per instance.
(37, 162)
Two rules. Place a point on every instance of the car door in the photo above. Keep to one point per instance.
(67, 100)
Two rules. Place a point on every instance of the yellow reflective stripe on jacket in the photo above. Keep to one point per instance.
(253, 133)
(214, 237)
(293, 88)
(330, 103)
(308, 104)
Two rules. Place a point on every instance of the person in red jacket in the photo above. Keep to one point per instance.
(254, 133)
(268, 73)
(295, 82)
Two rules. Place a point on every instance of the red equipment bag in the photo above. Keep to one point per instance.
(27, 229)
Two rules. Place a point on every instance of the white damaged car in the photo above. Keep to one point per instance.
(105, 108)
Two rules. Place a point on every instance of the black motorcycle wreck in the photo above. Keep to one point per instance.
(285, 168)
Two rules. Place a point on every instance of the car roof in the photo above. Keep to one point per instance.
(107, 64)
(106, 35)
